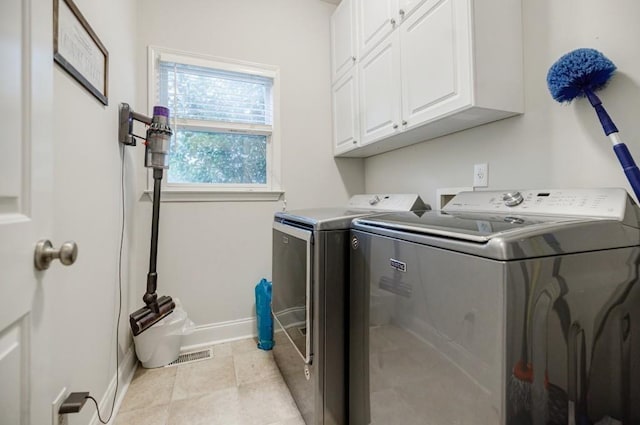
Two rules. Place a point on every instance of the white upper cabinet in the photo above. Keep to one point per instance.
(436, 61)
(377, 19)
(346, 126)
(343, 39)
(380, 102)
(446, 66)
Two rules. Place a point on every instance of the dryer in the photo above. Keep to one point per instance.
(513, 308)
(310, 290)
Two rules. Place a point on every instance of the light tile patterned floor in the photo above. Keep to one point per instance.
(240, 385)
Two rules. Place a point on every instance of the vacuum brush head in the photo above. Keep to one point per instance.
(142, 319)
(578, 73)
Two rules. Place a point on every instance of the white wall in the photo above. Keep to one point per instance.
(212, 254)
(551, 145)
(87, 209)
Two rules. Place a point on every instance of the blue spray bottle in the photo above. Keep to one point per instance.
(263, 313)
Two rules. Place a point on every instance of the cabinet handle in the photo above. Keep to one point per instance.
(395, 126)
(404, 122)
(401, 12)
(353, 58)
(393, 22)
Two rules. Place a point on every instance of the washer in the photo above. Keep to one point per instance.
(504, 308)
(310, 286)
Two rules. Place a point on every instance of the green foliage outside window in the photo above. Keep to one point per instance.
(219, 158)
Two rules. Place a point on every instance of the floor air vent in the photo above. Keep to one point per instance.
(193, 356)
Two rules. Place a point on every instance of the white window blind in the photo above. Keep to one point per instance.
(201, 93)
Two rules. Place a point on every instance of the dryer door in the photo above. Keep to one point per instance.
(292, 271)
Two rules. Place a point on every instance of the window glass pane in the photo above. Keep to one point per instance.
(201, 93)
(214, 157)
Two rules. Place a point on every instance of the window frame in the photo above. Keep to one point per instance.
(186, 192)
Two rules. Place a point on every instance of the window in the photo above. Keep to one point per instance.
(224, 115)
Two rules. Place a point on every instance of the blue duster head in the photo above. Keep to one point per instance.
(577, 71)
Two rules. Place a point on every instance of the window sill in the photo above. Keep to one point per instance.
(169, 195)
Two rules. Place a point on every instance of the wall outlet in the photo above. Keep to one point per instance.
(56, 418)
(481, 175)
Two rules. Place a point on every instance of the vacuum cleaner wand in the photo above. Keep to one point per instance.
(581, 73)
(152, 277)
(158, 138)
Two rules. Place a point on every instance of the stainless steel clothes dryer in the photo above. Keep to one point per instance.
(310, 287)
(504, 308)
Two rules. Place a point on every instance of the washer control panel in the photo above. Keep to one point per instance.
(602, 203)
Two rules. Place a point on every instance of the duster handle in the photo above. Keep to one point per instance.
(605, 120)
(629, 166)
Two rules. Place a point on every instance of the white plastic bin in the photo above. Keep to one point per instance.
(160, 344)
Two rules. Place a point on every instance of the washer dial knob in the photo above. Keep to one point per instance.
(511, 199)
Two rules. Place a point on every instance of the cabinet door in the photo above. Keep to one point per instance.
(346, 128)
(380, 103)
(376, 20)
(436, 61)
(407, 7)
(343, 39)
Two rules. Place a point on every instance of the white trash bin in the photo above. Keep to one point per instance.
(160, 344)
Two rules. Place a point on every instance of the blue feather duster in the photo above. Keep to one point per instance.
(576, 71)
(581, 73)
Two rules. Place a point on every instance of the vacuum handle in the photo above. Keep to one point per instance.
(629, 166)
(150, 297)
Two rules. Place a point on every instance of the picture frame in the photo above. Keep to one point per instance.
(78, 50)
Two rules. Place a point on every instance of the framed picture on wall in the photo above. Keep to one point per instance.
(78, 50)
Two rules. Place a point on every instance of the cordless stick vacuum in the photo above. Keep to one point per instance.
(580, 73)
(156, 148)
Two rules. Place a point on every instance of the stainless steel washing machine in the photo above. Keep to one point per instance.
(310, 287)
(516, 308)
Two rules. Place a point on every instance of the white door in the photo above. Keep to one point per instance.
(380, 103)
(346, 128)
(407, 7)
(436, 61)
(376, 20)
(26, 60)
(343, 39)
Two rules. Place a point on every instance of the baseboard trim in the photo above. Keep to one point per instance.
(216, 333)
(125, 375)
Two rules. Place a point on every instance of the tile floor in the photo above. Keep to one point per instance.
(240, 385)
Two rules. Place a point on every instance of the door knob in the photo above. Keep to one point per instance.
(45, 253)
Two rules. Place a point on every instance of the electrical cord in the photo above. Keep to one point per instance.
(98, 410)
(115, 394)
